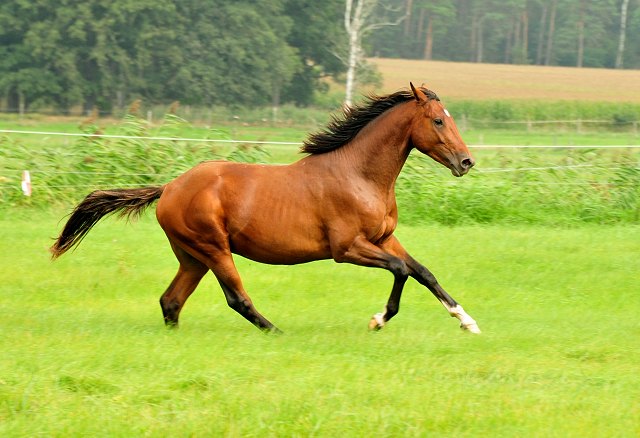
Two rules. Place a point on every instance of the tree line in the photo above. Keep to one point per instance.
(579, 33)
(105, 53)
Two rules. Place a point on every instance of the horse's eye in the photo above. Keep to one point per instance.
(438, 122)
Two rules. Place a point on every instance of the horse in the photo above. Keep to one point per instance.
(338, 202)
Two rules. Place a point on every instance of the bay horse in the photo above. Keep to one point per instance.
(338, 202)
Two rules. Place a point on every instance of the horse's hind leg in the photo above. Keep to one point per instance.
(186, 280)
(225, 271)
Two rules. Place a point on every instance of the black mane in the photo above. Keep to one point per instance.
(346, 125)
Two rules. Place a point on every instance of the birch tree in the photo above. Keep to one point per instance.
(359, 19)
(623, 28)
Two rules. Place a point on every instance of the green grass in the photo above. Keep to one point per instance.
(85, 352)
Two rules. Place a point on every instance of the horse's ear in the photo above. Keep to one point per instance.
(419, 95)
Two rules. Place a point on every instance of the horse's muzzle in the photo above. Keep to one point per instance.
(463, 167)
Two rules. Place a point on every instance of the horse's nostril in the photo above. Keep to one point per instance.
(467, 163)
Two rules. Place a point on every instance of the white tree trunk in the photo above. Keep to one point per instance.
(623, 28)
(353, 25)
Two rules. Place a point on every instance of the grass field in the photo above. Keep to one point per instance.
(85, 352)
(463, 80)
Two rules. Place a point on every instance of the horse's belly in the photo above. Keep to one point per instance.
(285, 245)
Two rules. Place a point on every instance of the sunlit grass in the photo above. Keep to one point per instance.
(85, 351)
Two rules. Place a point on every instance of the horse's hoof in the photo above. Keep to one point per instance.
(171, 325)
(273, 331)
(471, 327)
(377, 322)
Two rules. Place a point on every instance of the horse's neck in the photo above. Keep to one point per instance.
(380, 150)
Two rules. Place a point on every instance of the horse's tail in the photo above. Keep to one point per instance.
(129, 202)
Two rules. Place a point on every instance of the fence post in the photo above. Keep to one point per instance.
(578, 125)
(528, 125)
(464, 123)
(480, 139)
(149, 117)
(635, 129)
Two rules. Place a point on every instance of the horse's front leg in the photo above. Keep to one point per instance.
(426, 278)
(364, 253)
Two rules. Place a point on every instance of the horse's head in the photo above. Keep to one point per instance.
(435, 133)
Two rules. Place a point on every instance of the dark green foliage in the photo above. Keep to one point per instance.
(100, 54)
(316, 29)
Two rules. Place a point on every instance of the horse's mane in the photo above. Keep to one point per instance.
(345, 125)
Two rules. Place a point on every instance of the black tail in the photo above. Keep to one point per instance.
(129, 202)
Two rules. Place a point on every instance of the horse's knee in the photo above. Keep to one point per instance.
(399, 268)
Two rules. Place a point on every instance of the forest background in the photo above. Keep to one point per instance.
(106, 54)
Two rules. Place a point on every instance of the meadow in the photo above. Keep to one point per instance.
(85, 351)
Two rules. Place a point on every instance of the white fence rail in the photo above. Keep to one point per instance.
(281, 143)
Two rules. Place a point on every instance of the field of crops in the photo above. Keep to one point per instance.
(471, 81)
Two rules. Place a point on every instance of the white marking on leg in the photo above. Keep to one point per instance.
(380, 320)
(379, 317)
(466, 322)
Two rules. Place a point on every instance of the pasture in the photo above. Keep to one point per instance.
(85, 351)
